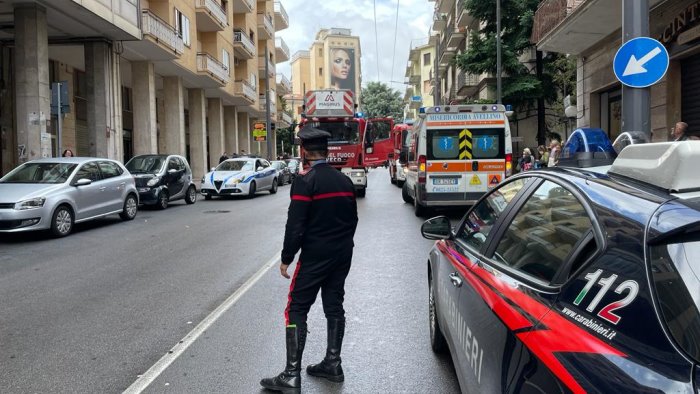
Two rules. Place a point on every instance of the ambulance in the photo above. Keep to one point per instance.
(457, 153)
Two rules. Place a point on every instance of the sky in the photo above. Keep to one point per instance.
(307, 17)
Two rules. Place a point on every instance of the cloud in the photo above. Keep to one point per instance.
(378, 59)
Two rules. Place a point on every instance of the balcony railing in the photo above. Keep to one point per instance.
(281, 17)
(285, 82)
(265, 21)
(206, 63)
(263, 103)
(245, 89)
(466, 79)
(549, 15)
(215, 9)
(282, 49)
(270, 65)
(241, 37)
(162, 32)
(439, 20)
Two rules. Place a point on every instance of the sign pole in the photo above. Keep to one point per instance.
(636, 102)
(267, 106)
(59, 113)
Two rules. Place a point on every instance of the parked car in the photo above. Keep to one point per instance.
(56, 193)
(240, 176)
(575, 279)
(162, 178)
(284, 176)
(294, 166)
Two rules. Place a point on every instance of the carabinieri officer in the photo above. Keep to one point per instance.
(321, 221)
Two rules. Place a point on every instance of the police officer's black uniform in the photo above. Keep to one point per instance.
(321, 221)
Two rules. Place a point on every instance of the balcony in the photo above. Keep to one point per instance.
(439, 21)
(281, 17)
(284, 85)
(281, 50)
(211, 68)
(455, 37)
(467, 84)
(284, 119)
(243, 6)
(263, 104)
(415, 102)
(211, 16)
(261, 67)
(161, 41)
(243, 45)
(266, 30)
(445, 6)
(244, 92)
(464, 19)
(414, 78)
(446, 57)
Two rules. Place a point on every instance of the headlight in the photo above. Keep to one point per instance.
(31, 204)
(357, 173)
(405, 170)
(153, 181)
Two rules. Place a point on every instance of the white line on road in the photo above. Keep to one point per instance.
(152, 374)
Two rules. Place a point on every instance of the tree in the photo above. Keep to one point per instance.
(379, 100)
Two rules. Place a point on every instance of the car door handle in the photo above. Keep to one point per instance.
(456, 280)
(103, 188)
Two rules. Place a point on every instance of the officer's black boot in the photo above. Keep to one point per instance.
(330, 367)
(289, 381)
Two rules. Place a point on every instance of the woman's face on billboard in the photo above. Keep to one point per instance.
(341, 64)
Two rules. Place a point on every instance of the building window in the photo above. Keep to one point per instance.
(426, 85)
(226, 60)
(320, 71)
(320, 51)
(126, 99)
(182, 25)
(426, 59)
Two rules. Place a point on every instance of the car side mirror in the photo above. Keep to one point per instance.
(437, 228)
(260, 168)
(83, 182)
(213, 169)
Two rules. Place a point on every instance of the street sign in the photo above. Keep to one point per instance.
(59, 98)
(259, 132)
(641, 62)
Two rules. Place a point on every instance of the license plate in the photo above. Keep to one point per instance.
(444, 181)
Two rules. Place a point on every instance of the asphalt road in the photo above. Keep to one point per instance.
(96, 310)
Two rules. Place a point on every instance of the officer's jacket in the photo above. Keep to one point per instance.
(322, 215)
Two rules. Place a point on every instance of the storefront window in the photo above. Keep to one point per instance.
(611, 113)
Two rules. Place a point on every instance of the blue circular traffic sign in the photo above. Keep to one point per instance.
(641, 62)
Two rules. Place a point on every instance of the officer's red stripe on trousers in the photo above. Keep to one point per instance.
(289, 296)
(299, 197)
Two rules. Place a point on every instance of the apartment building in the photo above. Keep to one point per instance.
(592, 29)
(144, 76)
(419, 81)
(332, 62)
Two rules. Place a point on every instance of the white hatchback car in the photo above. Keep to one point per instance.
(241, 176)
(56, 193)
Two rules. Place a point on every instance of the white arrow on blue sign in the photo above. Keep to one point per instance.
(641, 62)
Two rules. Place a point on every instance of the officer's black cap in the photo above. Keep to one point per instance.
(313, 138)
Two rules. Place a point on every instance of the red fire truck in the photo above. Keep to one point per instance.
(379, 136)
(398, 156)
(334, 112)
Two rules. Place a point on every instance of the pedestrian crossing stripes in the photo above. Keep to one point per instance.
(465, 144)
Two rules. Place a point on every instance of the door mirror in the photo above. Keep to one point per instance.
(213, 169)
(83, 182)
(260, 168)
(437, 228)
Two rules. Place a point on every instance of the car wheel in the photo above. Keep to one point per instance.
(130, 208)
(62, 221)
(251, 190)
(399, 183)
(273, 189)
(404, 194)
(191, 196)
(163, 199)
(418, 209)
(281, 182)
(437, 340)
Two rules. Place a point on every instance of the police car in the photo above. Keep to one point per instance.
(573, 279)
(240, 176)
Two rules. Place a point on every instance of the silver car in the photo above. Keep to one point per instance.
(56, 193)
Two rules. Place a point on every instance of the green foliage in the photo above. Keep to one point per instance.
(284, 139)
(379, 100)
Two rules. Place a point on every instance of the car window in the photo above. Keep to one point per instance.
(676, 276)
(88, 171)
(40, 173)
(481, 218)
(145, 164)
(544, 232)
(109, 169)
(264, 163)
(181, 164)
(172, 164)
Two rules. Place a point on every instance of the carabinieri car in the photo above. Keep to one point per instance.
(240, 176)
(575, 280)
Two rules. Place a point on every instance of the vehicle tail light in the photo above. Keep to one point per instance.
(509, 164)
(421, 168)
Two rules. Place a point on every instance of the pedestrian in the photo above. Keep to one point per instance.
(526, 161)
(223, 157)
(554, 152)
(543, 158)
(243, 154)
(321, 221)
(680, 132)
(67, 153)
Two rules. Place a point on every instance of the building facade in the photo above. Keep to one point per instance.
(420, 83)
(143, 76)
(591, 29)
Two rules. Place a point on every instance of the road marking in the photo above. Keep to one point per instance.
(152, 374)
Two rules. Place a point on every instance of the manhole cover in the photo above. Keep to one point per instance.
(218, 211)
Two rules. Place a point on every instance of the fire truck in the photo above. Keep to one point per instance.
(334, 112)
(378, 135)
(398, 156)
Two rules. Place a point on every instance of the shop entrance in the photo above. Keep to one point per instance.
(690, 86)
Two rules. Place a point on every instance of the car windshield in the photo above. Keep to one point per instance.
(236, 165)
(40, 173)
(341, 132)
(276, 165)
(145, 164)
(293, 164)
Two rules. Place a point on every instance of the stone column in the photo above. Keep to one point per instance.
(244, 132)
(98, 72)
(174, 122)
(144, 96)
(160, 121)
(231, 129)
(198, 136)
(215, 115)
(8, 137)
(31, 67)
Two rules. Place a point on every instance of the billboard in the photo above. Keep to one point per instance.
(343, 69)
